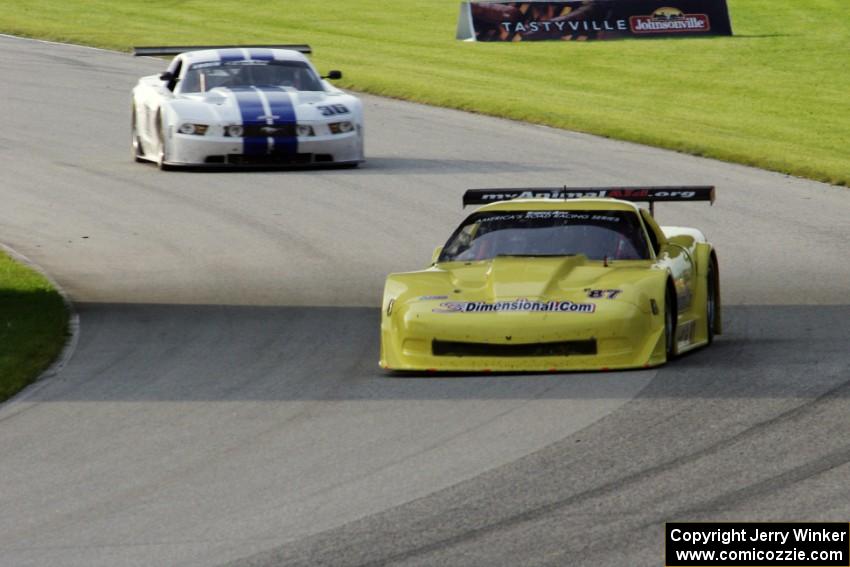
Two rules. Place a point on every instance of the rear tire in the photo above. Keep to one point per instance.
(670, 317)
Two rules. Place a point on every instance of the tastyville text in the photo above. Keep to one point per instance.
(564, 26)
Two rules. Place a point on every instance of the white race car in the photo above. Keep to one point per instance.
(243, 106)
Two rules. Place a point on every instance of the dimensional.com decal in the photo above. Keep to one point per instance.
(517, 305)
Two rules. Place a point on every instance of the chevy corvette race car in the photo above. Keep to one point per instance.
(556, 279)
(266, 105)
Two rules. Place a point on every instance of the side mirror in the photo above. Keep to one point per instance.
(166, 76)
(333, 75)
(436, 255)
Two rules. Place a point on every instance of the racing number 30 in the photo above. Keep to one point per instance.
(332, 109)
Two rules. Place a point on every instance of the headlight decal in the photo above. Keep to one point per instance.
(341, 127)
(190, 128)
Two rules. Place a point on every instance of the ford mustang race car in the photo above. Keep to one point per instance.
(556, 279)
(267, 105)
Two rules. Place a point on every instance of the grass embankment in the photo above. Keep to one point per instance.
(33, 325)
(777, 95)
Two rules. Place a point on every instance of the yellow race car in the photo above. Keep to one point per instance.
(549, 279)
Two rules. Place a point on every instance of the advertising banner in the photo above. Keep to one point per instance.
(592, 19)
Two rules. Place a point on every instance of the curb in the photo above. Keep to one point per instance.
(73, 330)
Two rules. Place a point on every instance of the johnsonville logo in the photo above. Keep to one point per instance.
(670, 20)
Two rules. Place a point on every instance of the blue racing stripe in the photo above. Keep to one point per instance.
(284, 112)
(251, 109)
(227, 55)
(261, 54)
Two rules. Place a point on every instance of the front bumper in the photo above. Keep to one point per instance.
(617, 336)
(208, 150)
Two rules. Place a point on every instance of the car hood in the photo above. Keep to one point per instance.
(248, 104)
(507, 278)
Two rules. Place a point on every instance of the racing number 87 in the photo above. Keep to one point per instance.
(603, 293)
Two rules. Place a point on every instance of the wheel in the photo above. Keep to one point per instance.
(670, 325)
(135, 143)
(711, 301)
(161, 150)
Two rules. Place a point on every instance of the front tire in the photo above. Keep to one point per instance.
(711, 301)
(670, 316)
(135, 142)
(162, 150)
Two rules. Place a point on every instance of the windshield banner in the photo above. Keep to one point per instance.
(591, 19)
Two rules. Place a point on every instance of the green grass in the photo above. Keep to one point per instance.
(777, 95)
(33, 325)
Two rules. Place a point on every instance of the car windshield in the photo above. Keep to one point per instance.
(616, 235)
(202, 77)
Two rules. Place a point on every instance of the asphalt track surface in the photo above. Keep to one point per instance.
(224, 405)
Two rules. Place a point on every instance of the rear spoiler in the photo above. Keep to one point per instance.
(651, 195)
(178, 49)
